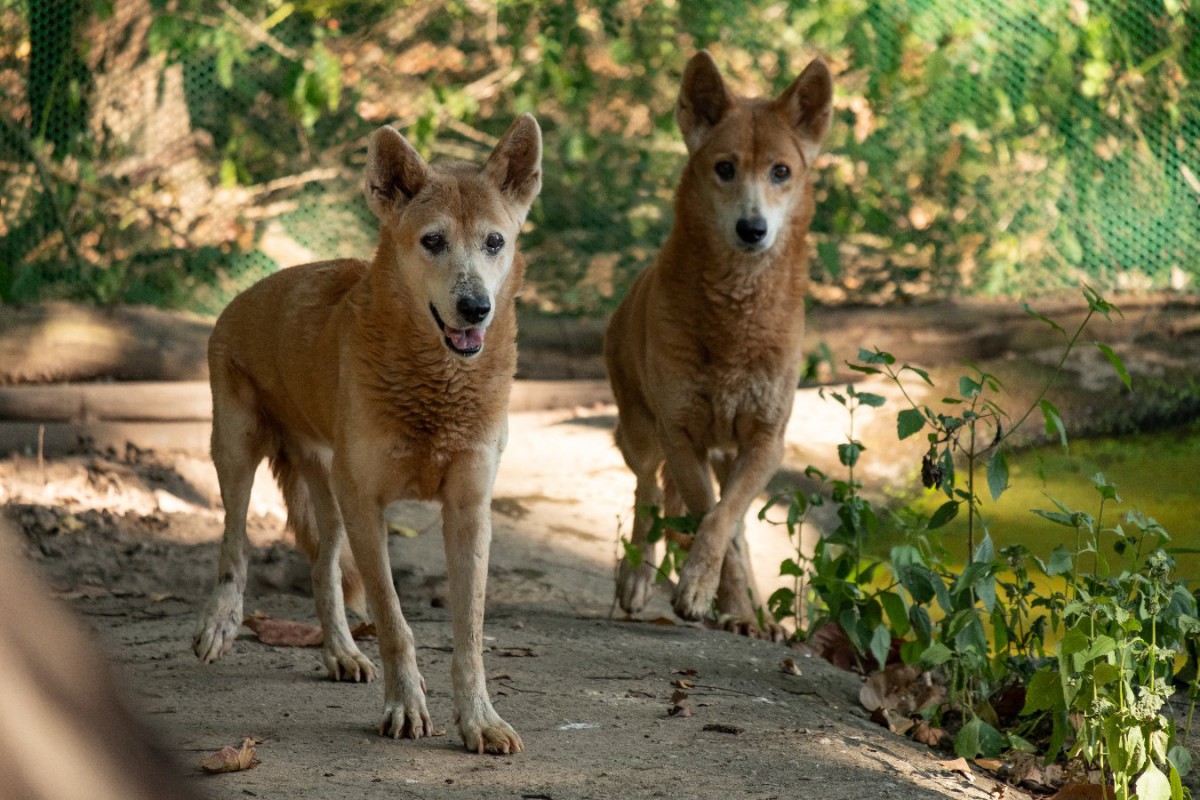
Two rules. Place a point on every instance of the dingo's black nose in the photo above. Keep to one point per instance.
(751, 231)
(474, 309)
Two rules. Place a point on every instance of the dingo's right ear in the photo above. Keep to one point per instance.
(395, 172)
(703, 99)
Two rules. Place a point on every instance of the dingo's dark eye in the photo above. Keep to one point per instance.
(725, 170)
(780, 173)
(494, 242)
(433, 242)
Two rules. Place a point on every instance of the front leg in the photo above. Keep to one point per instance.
(404, 711)
(756, 461)
(467, 533)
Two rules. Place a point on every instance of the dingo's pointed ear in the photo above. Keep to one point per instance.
(808, 106)
(703, 99)
(395, 172)
(515, 166)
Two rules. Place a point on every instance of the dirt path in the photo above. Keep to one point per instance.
(130, 542)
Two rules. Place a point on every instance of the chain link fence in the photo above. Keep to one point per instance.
(173, 151)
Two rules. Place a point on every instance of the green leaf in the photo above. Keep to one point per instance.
(946, 512)
(968, 387)
(1057, 517)
(881, 643)
(920, 372)
(997, 474)
(1054, 423)
(876, 356)
(1153, 785)
(935, 655)
(908, 422)
(633, 553)
(790, 567)
(1029, 310)
(1061, 561)
(1044, 692)
(849, 452)
(872, 400)
(897, 614)
(966, 742)
(1117, 364)
(1181, 759)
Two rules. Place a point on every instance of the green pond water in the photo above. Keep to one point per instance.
(1157, 474)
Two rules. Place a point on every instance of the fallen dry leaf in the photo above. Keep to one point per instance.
(499, 676)
(515, 652)
(690, 672)
(231, 759)
(902, 688)
(790, 666)
(924, 733)
(960, 766)
(680, 707)
(284, 632)
(1084, 791)
(363, 630)
(990, 764)
(683, 683)
(719, 727)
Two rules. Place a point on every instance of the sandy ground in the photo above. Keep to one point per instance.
(130, 542)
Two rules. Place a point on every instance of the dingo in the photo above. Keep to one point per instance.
(704, 352)
(365, 383)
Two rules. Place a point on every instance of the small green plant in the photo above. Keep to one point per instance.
(1111, 675)
(1089, 635)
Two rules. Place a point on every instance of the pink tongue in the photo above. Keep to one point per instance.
(466, 340)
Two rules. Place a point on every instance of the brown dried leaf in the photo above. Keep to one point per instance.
(284, 632)
(902, 688)
(363, 630)
(990, 764)
(960, 766)
(926, 734)
(1084, 791)
(683, 683)
(232, 759)
(790, 666)
(691, 673)
(680, 707)
(515, 652)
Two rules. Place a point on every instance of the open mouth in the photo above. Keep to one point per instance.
(464, 341)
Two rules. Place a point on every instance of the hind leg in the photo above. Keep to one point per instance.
(237, 448)
(341, 655)
(635, 438)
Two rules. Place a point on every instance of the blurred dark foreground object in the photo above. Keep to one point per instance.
(65, 732)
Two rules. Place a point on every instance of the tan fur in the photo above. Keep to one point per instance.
(347, 377)
(704, 353)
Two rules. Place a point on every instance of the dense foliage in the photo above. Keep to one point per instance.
(172, 150)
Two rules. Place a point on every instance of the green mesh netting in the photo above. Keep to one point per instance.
(173, 151)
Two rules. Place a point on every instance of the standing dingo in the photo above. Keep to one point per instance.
(365, 383)
(704, 353)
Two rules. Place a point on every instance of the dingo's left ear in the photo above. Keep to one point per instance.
(395, 172)
(808, 106)
(703, 99)
(515, 166)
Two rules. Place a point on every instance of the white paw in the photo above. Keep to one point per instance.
(406, 719)
(347, 663)
(218, 624)
(696, 590)
(634, 585)
(486, 732)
